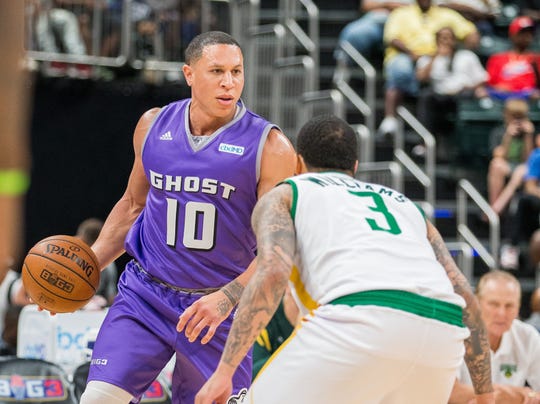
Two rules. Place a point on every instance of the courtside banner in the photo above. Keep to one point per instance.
(28, 389)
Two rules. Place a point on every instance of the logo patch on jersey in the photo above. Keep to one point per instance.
(230, 148)
(31, 388)
(166, 136)
(508, 369)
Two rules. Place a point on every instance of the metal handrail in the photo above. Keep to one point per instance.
(426, 177)
(251, 70)
(465, 260)
(307, 99)
(365, 107)
(117, 61)
(364, 141)
(466, 191)
(239, 27)
(280, 66)
(395, 169)
(243, 15)
(310, 40)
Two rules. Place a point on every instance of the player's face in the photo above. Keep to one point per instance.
(217, 79)
(499, 303)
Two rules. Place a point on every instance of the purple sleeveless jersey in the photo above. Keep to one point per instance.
(195, 230)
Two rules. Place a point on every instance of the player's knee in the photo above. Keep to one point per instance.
(97, 392)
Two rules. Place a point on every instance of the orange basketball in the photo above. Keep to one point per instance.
(61, 273)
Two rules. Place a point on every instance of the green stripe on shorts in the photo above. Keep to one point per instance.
(406, 301)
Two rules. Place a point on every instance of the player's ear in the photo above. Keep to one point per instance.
(188, 74)
(300, 165)
(355, 167)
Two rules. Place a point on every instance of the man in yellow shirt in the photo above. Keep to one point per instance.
(408, 34)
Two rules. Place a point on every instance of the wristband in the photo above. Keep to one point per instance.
(13, 182)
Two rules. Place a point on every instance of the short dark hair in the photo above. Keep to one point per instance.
(328, 142)
(195, 48)
(89, 229)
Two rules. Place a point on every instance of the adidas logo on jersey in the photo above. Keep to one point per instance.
(230, 148)
(166, 136)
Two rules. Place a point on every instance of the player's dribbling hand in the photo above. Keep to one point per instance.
(217, 390)
(52, 313)
(209, 311)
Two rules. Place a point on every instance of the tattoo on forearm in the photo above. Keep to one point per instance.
(252, 317)
(458, 280)
(233, 291)
(477, 352)
(276, 242)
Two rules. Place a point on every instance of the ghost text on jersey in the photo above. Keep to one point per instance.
(178, 183)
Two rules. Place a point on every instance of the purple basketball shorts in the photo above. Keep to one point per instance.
(138, 337)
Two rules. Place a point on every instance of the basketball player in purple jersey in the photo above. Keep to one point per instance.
(200, 166)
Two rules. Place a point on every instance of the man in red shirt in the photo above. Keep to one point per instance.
(514, 73)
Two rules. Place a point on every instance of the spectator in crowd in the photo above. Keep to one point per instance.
(513, 73)
(534, 251)
(408, 34)
(15, 157)
(366, 32)
(448, 74)
(156, 26)
(526, 219)
(534, 318)
(515, 346)
(511, 143)
(14, 162)
(88, 231)
(481, 12)
(112, 26)
(12, 298)
(166, 18)
(84, 11)
(190, 14)
(8, 344)
(58, 31)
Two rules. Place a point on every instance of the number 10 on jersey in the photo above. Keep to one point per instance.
(199, 224)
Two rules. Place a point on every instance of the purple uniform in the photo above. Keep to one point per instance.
(194, 233)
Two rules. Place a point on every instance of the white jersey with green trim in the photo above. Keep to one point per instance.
(367, 237)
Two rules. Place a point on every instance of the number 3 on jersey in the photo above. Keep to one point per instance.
(195, 237)
(380, 207)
